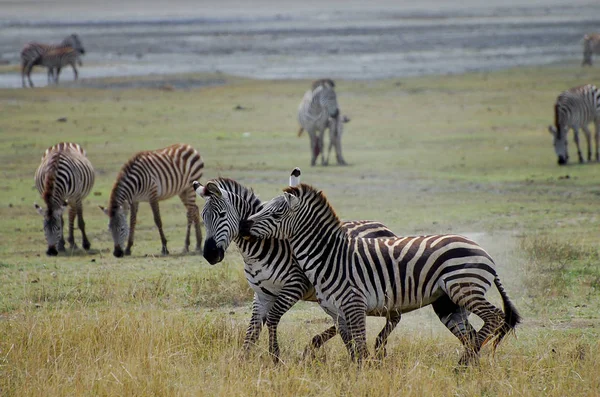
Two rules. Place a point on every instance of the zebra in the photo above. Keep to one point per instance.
(64, 178)
(355, 277)
(270, 268)
(33, 54)
(574, 108)
(591, 45)
(153, 176)
(317, 106)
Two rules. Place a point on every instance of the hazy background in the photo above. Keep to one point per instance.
(272, 39)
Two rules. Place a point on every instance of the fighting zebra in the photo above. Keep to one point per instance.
(270, 268)
(591, 45)
(153, 176)
(34, 54)
(64, 178)
(575, 108)
(355, 277)
(318, 105)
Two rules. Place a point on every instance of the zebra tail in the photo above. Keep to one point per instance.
(511, 315)
(300, 131)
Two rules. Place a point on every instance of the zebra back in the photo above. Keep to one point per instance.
(158, 174)
(64, 173)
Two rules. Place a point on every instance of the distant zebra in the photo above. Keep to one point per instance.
(317, 106)
(575, 108)
(154, 176)
(591, 45)
(65, 177)
(355, 277)
(34, 53)
(270, 268)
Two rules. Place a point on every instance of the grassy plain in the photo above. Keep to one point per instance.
(464, 154)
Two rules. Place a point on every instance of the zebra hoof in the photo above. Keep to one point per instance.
(86, 245)
(165, 251)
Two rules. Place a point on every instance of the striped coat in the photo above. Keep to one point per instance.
(153, 176)
(591, 45)
(270, 267)
(65, 175)
(576, 108)
(355, 277)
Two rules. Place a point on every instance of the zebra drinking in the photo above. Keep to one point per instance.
(54, 57)
(318, 105)
(354, 277)
(270, 267)
(153, 176)
(575, 108)
(591, 45)
(64, 178)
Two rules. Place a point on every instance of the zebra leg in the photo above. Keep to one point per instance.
(81, 225)
(588, 134)
(318, 341)
(132, 223)
(23, 66)
(455, 318)
(75, 73)
(381, 341)
(352, 328)
(314, 148)
(256, 321)
(50, 75)
(576, 138)
(321, 137)
(597, 138)
(61, 242)
(338, 150)
(158, 223)
(71, 238)
(493, 318)
(283, 303)
(188, 198)
(28, 70)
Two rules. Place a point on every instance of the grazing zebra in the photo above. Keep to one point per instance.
(591, 45)
(153, 176)
(65, 177)
(575, 108)
(317, 106)
(355, 277)
(33, 54)
(270, 268)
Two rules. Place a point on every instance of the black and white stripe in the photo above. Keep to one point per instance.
(154, 176)
(317, 106)
(64, 177)
(34, 53)
(591, 45)
(270, 268)
(355, 277)
(576, 108)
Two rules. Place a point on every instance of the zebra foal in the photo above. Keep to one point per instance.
(34, 53)
(269, 265)
(64, 178)
(591, 45)
(355, 277)
(154, 176)
(575, 108)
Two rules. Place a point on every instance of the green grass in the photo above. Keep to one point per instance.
(463, 154)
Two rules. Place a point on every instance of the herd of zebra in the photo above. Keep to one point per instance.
(294, 248)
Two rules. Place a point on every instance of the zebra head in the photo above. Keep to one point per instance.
(274, 220)
(53, 227)
(221, 220)
(118, 227)
(74, 42)
(560, 143)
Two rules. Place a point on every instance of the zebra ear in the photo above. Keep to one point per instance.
(39, 209)
(295, 177)
(291, 199)
(104, 210)
(199, 189)
(211, 189)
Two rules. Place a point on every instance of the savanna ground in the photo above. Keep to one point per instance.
(463, 154)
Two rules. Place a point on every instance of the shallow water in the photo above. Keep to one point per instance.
(383, 40)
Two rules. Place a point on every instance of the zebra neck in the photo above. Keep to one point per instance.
(122, 195)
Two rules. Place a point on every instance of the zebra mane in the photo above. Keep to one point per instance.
(52, 163)
(113, 202)
(307, 192)
(234, 187)
(323, 82)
